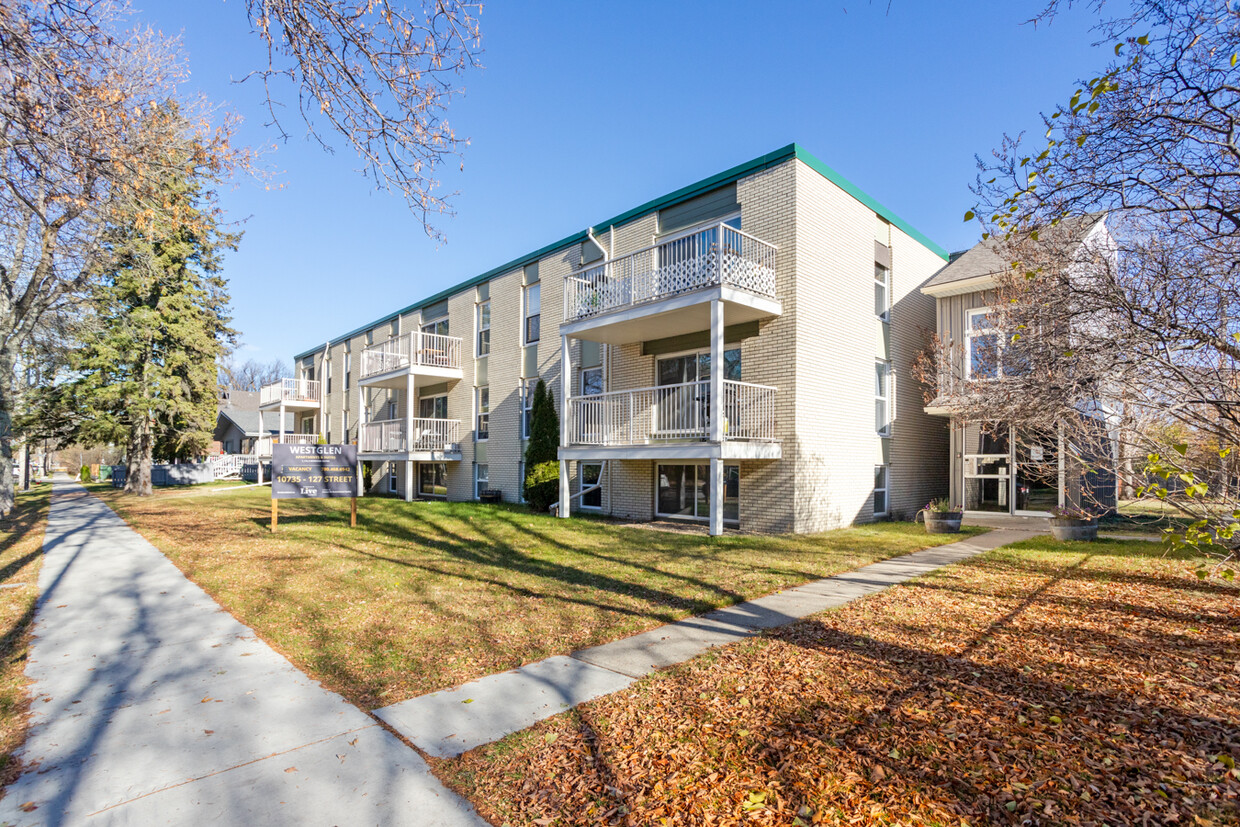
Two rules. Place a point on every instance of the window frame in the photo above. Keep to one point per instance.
(581, 380)
(481, 482)
(970, 334)
(581, 485)
(527, 316)
(418, 483)
(393, 409)
(885, 284)
(482, 419)
(478, 339)
(885, 489)
(434, 324)
(885, 398)
(527, 407)
(393, 487)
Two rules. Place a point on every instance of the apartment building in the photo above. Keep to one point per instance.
(736, 352)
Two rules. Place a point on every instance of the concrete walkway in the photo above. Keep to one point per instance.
(453, 721)
(153, 706)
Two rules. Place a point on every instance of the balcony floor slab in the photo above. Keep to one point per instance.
(414, 456)
(422, 375)
(672, 316)
(732, 449)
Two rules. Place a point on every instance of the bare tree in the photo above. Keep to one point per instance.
(378, 73)
(1141, 332)
(80, 142)
(251, 375)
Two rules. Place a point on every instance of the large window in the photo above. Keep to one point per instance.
(484, 328)
(882, 398)
(590, 474)
(484, 413)
(392, 410)
(983, 360)
(433, 407)
(880, 491)
(882, 292)
(482, 479)
(684, 492)
(533, 310)
(433, 479)
(527, 406)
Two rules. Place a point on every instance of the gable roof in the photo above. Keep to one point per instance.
(770, 159)
(248, 421)
(975, 268)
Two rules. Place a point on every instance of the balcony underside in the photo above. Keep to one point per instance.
(414, 456)
(291, 405)
(729, 449)
(422, 375)
(674, 316)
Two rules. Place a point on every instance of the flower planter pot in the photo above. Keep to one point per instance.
(943, 522)
(1063, 529)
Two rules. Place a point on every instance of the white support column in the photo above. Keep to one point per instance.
(716, 496)
(566, 367)
(717, 432)
(280, 424)
(409, 436)
(716, 372)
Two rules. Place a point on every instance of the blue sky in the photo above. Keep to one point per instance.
(583, 110)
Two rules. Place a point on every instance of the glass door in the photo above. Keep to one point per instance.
(684, 492)
(684, 410)
(1037, 473)
(987, 470)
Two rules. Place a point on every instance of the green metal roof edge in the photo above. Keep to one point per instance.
(683, 194)
(852, 189)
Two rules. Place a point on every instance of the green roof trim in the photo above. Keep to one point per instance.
(737, 172)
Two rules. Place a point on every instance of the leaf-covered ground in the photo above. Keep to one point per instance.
(1041, 684)
(426, 595)
(21, 555)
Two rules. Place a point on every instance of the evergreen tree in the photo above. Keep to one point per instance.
(542, 467)
(146, 368)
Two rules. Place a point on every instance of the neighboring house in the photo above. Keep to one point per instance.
(736, 352)
(1002, 467)
(238, 427)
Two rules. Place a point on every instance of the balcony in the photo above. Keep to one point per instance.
(262, 445)
(421, 355)
(433, 439)
(666, 289)
(291, 394)
(673, 422)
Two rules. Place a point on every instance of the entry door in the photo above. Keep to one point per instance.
(685, 411)
(1037, 473)
(684, 492)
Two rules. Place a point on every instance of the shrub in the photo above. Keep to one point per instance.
(542, 485)
(942, 506)
(84, 474)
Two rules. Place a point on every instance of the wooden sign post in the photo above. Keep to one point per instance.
(313, 471)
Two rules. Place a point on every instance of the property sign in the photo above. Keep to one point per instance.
(299, 471)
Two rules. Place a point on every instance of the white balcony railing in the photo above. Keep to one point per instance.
(290, 390)
(412, 350)
(262, 445)
(719, 255)
(388, 436)
(671, 412)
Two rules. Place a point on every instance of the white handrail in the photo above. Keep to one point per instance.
(412, 349)
(389, 436)
(716, 255)
(671, 412)
(291, 390)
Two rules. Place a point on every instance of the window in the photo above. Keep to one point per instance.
(395, 328)
(882, 292)
(484, 328)
(984, 346)
(438, 327)
(370, 337)
(392, 486)
(533, 310)
(327, 370)
(880, 490)
(882, 398)
(327, 426)
(482, 477)
(684, 491)
(433, 479)
(433, 407)
(392, 410)
(307, 425)
(348, 364)
(527, 406)
(591, 381)
(484, 413)
(590, 474)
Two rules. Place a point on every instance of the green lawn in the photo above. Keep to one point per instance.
(426, 595)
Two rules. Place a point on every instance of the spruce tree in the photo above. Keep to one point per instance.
(542, 467)
(147, 365)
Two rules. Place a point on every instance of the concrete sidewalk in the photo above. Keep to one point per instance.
(151, 705)
(453, 721)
